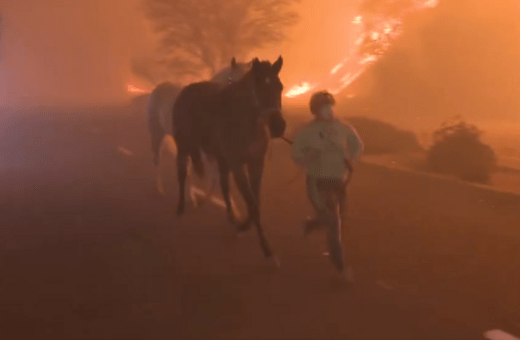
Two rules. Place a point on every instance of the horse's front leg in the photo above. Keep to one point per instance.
(241, 180)
(255, 170)
(252, 206)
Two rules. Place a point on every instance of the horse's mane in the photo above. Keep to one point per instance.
(246, 82)
(222, 76)
(237, 97)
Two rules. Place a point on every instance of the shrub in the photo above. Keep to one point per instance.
(458, 150)
(380, 137)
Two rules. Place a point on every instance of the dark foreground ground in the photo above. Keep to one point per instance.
(88, 252)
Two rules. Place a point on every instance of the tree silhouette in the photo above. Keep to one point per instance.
(199, 37)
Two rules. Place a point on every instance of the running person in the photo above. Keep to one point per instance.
(327, 148)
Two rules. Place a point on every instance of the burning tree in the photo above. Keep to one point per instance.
(200, 37)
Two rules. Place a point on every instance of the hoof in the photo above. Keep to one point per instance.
(274, 261)
(159, 191)
(244, 226)
(194, 202)
(231, 216)
(202, 201)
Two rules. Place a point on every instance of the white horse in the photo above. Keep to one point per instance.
(160, 125)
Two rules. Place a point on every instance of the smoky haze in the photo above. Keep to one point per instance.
(457, 58)
(68, 52)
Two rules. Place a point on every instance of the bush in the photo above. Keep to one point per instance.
(380, 137)
(458, 150)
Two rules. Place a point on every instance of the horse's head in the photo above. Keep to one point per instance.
(267, 89)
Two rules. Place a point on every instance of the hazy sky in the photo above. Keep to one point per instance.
(62, 51)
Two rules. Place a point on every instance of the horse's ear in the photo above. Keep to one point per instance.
(277, 66)
(233, 62)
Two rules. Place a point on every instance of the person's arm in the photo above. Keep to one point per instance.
(354, 143)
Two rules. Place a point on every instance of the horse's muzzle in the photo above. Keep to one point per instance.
(277, 125)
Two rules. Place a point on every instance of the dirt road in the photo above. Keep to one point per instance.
(88, 252)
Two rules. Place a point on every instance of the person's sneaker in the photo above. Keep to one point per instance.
(310, 225)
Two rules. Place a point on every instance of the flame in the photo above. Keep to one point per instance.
(297, 90)
(134, 89)
(431, 3)
(367, 59)
(358, 20)
(371, 46)
(336, 68)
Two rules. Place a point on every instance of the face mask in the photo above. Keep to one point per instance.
(326, 112)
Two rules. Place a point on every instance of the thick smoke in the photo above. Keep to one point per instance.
(68, 52)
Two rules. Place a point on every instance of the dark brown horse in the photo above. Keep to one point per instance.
(232, 125)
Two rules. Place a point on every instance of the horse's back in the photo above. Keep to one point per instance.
(193, 113)
(160, 105)
(195, 101)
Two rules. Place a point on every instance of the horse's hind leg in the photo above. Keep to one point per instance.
(223, 170)
(182, 171)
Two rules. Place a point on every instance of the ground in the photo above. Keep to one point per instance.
(87, 251)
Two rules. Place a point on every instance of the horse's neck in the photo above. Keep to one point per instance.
(242, 90)
(240, 102)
